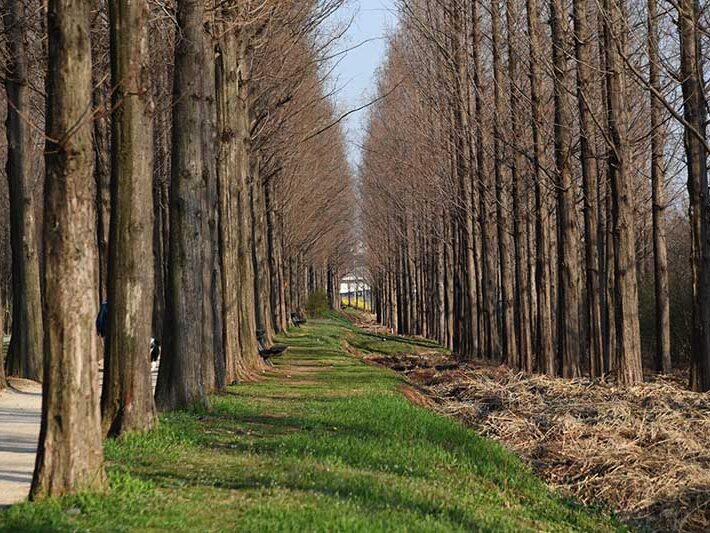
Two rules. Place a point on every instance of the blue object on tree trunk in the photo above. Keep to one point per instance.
(102, 320)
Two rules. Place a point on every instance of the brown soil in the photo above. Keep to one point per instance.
(416, 397)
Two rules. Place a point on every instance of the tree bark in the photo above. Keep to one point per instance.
(568, 348)
(584, 62)
(465, 182)
(544, 339)
(278, 304)
(488, 274)
(212, 292)
(227, 162)
(180, 381)
(250, 359)
(658, 201)
(629, 370)
(127, 395)
(262, 278)
(24, 359)
(524, 356)
(695, 115)
(502, 187)
(102, 178)
(70, 454)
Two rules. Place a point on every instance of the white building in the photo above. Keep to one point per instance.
(354, 290)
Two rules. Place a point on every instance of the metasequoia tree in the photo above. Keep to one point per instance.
(24, 358)
(491, 340)
(228, 50)
(694, 113)
(70, 456)
(266, 111)
(544, 335)
(520, 202)
(180, 380)
(199, 234)
(502, 186)
(465, 218)
(628, 357)
(584, 60)
(102, 106)
(459, 143)
(568, 330)
(658, 199)
(127, 396)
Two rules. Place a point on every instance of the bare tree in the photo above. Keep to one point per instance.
(180, 380)
(502, 184)
(70, 455)
(695, 115)
(568, 330)
(585, 63)
(127, 396)
(658, 200)
(628, 357)
(525, 355)
(544, 337)
(24, 358)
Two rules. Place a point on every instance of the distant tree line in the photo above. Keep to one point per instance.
(521, 184)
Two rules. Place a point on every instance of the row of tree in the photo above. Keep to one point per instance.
(195, 196)
(523, 175)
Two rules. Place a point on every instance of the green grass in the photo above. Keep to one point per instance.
(324, 443)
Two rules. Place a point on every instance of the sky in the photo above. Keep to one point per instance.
(354, 75)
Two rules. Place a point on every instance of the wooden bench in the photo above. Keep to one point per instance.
(268, 352)
(297, 320)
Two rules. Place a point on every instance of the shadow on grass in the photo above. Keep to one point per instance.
(362, 488)
(344, 438)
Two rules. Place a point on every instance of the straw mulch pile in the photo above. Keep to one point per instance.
(644, 450)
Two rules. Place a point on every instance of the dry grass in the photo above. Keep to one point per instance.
(643, 450)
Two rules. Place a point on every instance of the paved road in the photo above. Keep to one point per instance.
(20, 412)
(20, 415)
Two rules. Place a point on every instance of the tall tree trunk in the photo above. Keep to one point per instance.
(695, 115)
(70, 454)
(228, 109)
(544, 339)
(440, 270)
(465, 182)
(24, 358)
(524, 355)
(568, 348)
(629, 371)
(127, 396)
(211, 293)
(262, 278)
(180, 377)
(247, 321)
(502, 181)
(660, 252)
(102, 178)
(278, 304)
(160, 199)
(161, 184)
(584, 62)
(488, 274)
(102, 138)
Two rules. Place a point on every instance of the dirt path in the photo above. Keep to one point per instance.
(20, 412)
